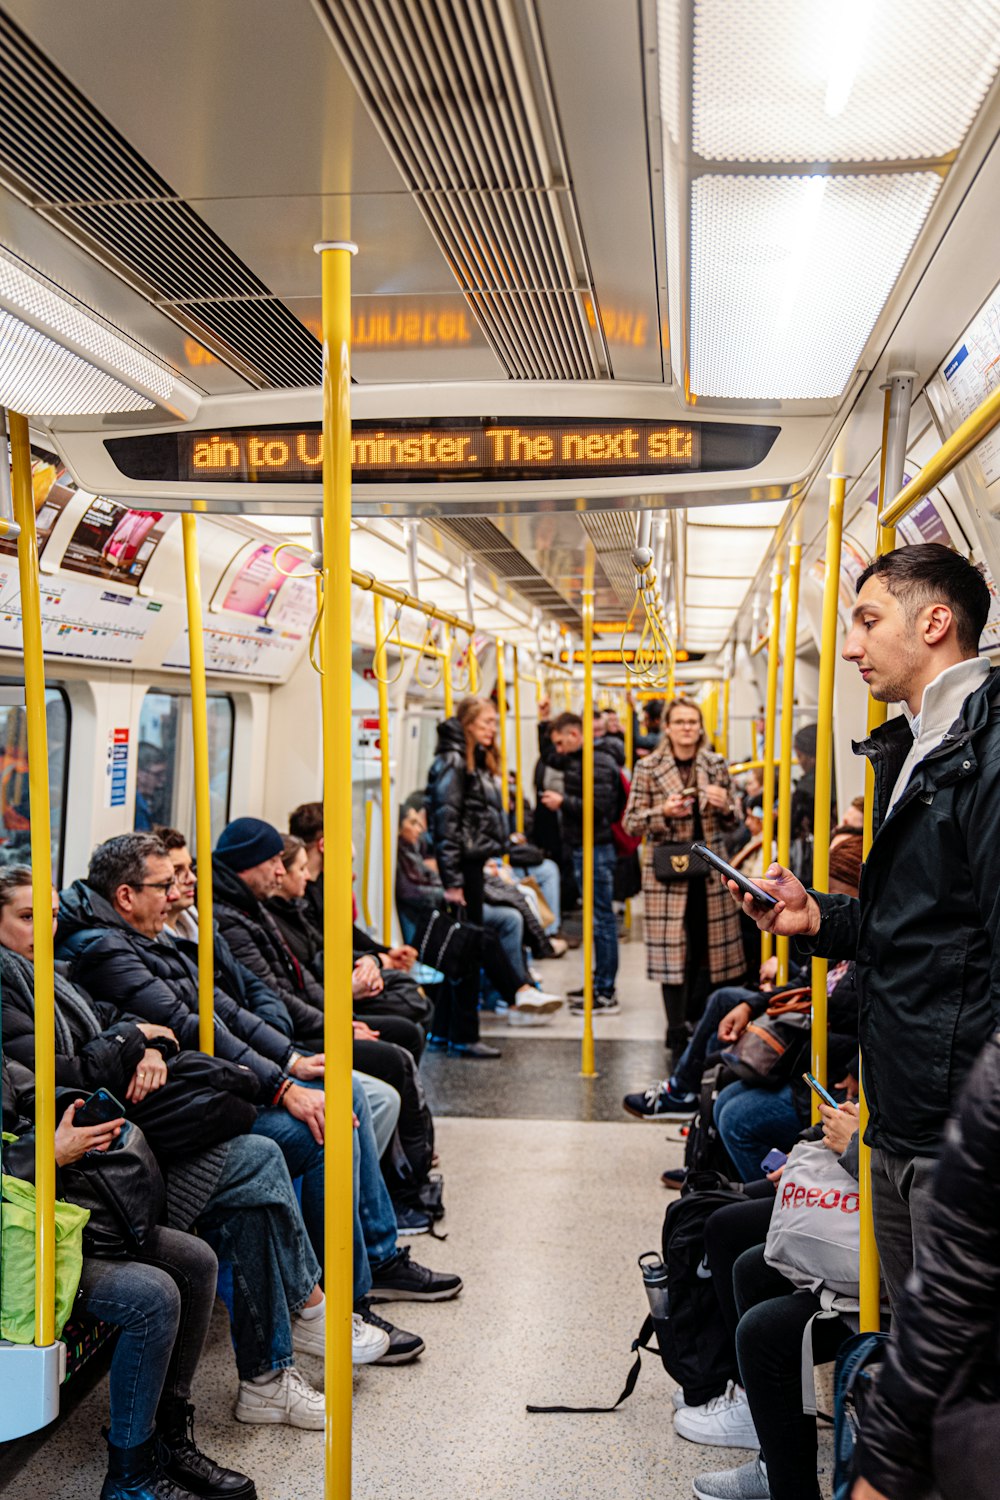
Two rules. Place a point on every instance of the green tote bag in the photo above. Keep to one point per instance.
(17, 1259)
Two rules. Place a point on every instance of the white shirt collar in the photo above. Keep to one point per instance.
(944, 697)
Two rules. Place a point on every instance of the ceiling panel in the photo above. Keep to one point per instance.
(250, 99)
(713, 551)
(715, 591)
(410, 339)
(764, 513)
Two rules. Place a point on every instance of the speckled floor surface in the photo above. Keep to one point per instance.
(545, 1220)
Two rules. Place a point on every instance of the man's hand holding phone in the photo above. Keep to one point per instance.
(796, 914)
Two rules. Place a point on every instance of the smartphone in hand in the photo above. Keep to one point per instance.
(820, 1091)
(101, 1107)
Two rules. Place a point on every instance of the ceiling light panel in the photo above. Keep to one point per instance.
(715, 592)
(714, 551)
(849, 81)
(788, 275)
(766, 514)
(39, 377)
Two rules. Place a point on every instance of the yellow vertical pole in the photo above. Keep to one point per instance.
(41, 881)
(870, 1289)
(629, 723)
(724, 731)
(449, 697)
(502, 722)
(770, 714)
(787, 708)
(202, 787)
(518, 751)
(587, 1067)
(337, 807)
(824, 762)
(382, 679)
(473, 666)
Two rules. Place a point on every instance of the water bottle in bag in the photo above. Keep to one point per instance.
(654, 1279)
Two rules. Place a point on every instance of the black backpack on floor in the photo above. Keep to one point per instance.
(704, 1151)
(694, 1343)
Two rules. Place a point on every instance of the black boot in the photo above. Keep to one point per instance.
(136, 1474)
(187, 1466)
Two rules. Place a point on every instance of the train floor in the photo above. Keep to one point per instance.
(552, 1192)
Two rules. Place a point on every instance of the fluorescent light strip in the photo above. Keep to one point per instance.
(781, 314)
(851, 81)
(24, 291)
(39, 377)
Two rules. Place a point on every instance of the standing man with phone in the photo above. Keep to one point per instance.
(925, 930)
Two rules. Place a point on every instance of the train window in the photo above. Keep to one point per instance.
(165, 762)
(15, 812)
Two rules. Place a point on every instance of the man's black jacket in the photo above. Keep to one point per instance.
(945, 1332)
(155, 979)
(926, 929)
(609, 794)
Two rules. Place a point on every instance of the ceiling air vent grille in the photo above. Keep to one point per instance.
(76, 169)
(460, 91)
(613, 535)
(487, 546)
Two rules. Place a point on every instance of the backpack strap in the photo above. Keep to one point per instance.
(832, 1305)
(641, 1341)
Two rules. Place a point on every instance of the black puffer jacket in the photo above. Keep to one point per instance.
(926, 930)
(255, 941)
(107, 1060)
(152, 978)
(946, 1330)
(609, 794)
(465, 816)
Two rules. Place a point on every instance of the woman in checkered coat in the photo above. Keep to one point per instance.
(692, 927)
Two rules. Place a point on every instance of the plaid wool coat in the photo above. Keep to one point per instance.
(664, 906)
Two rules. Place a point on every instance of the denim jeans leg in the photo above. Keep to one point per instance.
(548, 879)
(384, 1103)
(144, 1303)
(753, 1122)
(507, 925)
(362, 1266)
(304, 1158)
(253, 1221)
(605, 921)
(692, 1062)
(375, 1210)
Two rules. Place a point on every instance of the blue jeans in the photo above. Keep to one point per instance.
(374, 1216)
(162, 1302)
(687, 1076)
(753, 1122)
(508, 926)
(548, 878)
(304, 1158)
(384, 1103)
(605, 924)
(252, 1220)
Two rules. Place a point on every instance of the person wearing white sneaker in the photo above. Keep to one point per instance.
(281, 1396)
(748, 1482)
(722, 1422)
(541, 1002)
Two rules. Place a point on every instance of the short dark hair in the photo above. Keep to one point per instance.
(931, 572)
(653, 710)
(306, 822)
(149, 754)
(12, 878)
(170, 838)
(566, 721)
(122, 861)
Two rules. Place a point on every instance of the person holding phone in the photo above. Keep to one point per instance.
(926, 929)
(681, 792)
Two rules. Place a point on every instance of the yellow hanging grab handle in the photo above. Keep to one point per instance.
(282, 547)
(428, 640)
(382, 646)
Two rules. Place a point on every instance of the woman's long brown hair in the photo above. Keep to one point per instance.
(467, 713)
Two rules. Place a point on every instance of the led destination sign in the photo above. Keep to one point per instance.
(442, 451)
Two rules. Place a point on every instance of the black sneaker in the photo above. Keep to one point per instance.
(404, 1347)
(473, 1049)
(674, 1178)
(574, 994)
(403, 1280)
(660, 1102)
(604, 1005)
(411, 1220)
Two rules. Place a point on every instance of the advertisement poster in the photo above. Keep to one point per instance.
(990, 637)
(256, 585)
(294, 609)
(113, 542)
(116, 771)
(77, 622)
(52, 490)
(972, 373)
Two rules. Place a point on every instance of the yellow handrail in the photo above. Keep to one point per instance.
(964, 439)
(337, 809)
(384, 771)
(587, 1067)
(770, 714)
(745, 765)
(41, 881)
(202, 786)
(371, 584)
(518, 756)
(787, 709)
(449, 695)
(366, 864)
(724, 731)
(502, 724)
(824, 763)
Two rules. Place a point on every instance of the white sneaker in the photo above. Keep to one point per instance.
(518, 1017)
(368, 1343)
(528, 998)
(677, 1397)
(309, 1335)
(560, 947)
(286, 1398)
(722, 1422)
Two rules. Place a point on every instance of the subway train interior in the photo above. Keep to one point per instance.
(359, 358)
